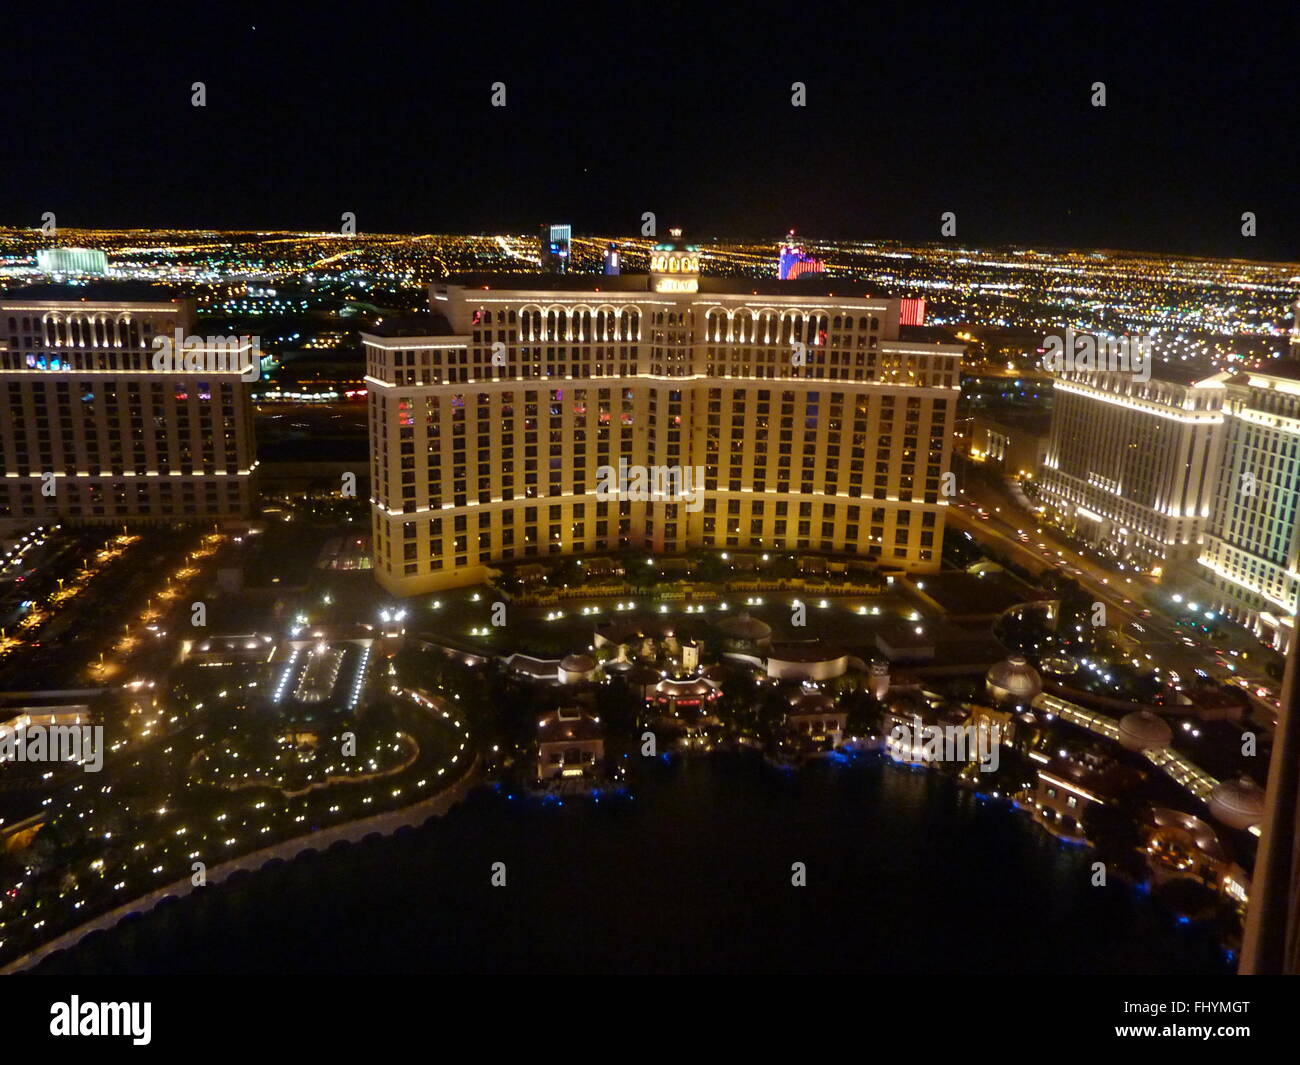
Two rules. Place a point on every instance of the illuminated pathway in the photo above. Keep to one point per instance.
(384, 824)
(1176, 767)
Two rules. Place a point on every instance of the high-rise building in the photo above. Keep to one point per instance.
(794, 261)
(82, 261)
(1131, 464)
(96, 433)
(538, 416)
(1251, 554)
(612, 263)
(555, 242)
(1264, 440)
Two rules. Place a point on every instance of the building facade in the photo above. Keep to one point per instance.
(83, 261)
(1131, 464)
(1014, 444)
(791, 412)
(95, 433)
(1251, 554)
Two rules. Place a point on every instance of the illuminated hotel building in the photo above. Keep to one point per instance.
(94, 433)
(793, 262)
(556, 241)
(813, 426)
(1251, 548)
(1131, 464)
(84, 261)
(1271, 944)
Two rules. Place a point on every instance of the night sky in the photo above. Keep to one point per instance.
(681, 110)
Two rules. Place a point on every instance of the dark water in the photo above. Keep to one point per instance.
(905, 874)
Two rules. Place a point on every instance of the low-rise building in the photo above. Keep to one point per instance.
(817, 718)
(1014, 443)
(570, 743)
(1071, 781)
(810, 661)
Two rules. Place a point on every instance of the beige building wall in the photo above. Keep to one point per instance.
(488, 440)
(96, 434)
(1131, 464)
(1251, 553)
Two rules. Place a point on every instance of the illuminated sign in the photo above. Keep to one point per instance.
(911, 312)
(677, 284)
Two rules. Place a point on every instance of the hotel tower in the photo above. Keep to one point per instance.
(96, 433)
(782, 415)
(1131, 463)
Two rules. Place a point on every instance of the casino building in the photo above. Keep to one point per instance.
(95, 433)
(1251, 553)
(799, 417)
(1131, 464)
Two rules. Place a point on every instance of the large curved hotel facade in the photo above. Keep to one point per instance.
(530, 416)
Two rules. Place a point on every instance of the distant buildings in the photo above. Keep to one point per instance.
(1015, 444)
(86, 262)
(794, 262)
(96, 433)
(555, 243)
(745, 413)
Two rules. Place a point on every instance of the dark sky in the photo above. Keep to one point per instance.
(629, 107)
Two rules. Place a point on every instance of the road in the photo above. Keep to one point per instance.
(988, 510)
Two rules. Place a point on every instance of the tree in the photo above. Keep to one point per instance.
(711, 569)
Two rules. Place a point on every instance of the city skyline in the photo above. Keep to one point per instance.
(1016, 149)
(665, 490)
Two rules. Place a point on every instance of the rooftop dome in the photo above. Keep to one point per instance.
(1142, 730)
(1238, 803)
(576, 667)
(1013, 680)
(743, 627)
